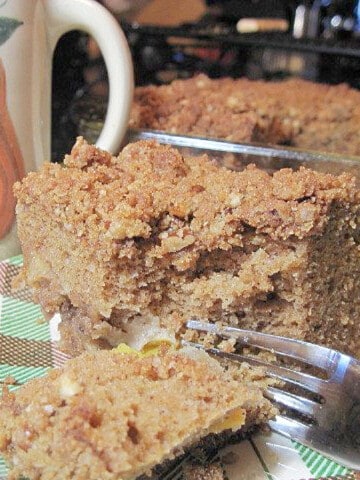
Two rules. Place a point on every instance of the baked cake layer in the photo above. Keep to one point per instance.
(108, 415)
(292, 112)
(128, 248)
(210, 108)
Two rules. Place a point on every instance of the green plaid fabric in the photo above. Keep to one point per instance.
(27, 351)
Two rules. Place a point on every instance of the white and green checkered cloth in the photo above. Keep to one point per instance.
(27, 350)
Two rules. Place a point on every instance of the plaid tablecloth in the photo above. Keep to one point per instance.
(28, 349)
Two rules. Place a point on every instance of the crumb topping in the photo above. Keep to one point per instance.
(193, 202)
(292, 112)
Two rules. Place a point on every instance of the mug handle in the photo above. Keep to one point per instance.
(91, 17)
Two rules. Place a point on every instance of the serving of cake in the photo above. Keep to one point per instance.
(107, 415)
(128, 248)
(292, 112)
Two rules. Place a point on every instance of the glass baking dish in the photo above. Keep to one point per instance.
(237, 156)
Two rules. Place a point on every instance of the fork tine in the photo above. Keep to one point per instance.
(300, 404)
(291, 428)
(315, 355)
(299, 379)
(327, 442)
(317, 439)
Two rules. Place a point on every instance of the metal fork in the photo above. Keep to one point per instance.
(330, 425)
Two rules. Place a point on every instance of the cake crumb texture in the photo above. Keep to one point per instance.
(107, 415)
(130, 247)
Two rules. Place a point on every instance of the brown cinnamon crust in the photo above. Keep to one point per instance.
(107, 415)
(294, 112)
(128, 248)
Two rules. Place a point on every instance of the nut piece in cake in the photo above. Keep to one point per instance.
(128, 248)
(107, 415)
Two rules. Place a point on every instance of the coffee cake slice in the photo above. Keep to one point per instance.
(107, 415)
(128, 248)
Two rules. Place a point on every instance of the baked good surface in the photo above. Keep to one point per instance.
(292, 112)
(128, 248)
(209, 108)
(108, 415)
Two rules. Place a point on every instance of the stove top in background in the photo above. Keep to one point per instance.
(321, 43)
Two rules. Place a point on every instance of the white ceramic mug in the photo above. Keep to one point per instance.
(29, 31)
